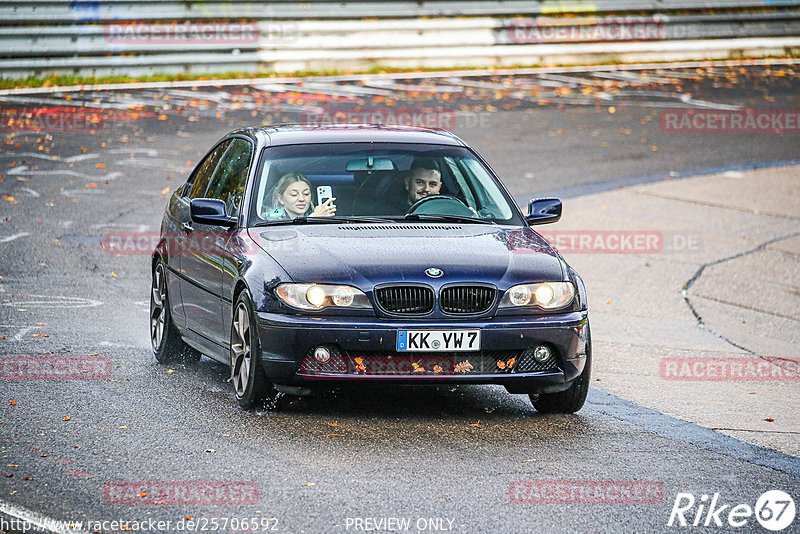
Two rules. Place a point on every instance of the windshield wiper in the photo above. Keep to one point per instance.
(447, 218)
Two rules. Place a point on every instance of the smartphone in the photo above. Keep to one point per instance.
(324, 192)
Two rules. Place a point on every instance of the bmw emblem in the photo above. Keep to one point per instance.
(433, 272)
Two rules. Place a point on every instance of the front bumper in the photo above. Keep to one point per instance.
(364, 348)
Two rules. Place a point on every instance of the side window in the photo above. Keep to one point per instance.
(230, 177)
(205, 170)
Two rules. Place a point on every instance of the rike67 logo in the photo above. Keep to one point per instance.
(774, 510)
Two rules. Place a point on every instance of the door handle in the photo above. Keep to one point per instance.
(188, 227)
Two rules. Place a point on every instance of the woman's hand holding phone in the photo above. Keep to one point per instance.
(326, 209)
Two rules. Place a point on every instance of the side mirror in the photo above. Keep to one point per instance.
(544, 210)
(210, 211)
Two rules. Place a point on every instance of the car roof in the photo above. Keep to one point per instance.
(296, 134)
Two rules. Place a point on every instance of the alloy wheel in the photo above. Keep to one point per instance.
(158, 309)
(240, 349)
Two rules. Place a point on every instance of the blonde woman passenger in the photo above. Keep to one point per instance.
(291, 198)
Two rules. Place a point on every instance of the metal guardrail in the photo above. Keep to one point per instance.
(80, 11)
(109, 37)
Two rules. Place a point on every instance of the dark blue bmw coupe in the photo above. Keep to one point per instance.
(305, 256)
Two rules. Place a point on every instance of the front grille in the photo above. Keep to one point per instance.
(413, 364)
(405, 300)
(466, 299)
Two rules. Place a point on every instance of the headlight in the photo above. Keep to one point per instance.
(319, 296)
(545, 295)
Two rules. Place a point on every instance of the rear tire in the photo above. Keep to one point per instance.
(250, 383)
(165, 340)
(571, 399)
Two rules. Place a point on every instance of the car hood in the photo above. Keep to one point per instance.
(365, 255)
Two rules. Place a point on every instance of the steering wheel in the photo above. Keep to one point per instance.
(421, 202)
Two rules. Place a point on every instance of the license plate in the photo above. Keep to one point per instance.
(438, 340)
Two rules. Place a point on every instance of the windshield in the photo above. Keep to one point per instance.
(377, 181)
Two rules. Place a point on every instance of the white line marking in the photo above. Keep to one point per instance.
(44, 523)
(121, 345)
(80, 157)
(389, 84)
(351, 90)
(137, 227)
(23, 331)
(480, 85)
(53, 301)
(109, 176)
(706, 104)
(13, 237)
(684, 99)
(30, 191)
(64, 103)
(571, 80)
(405, 75)
(23, 170)
(31, 155)
(276, 88)
(76, 193)
(150, 152)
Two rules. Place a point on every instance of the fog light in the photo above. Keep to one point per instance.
(542, 353)
(322, 354)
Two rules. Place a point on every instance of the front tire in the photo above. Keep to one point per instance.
(250, 383)
(165, 340)
(573, 398)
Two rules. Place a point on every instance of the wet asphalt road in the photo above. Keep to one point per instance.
(440, 457)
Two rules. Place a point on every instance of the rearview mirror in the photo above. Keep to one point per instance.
(544, 210)
(370, 164)
(210, 211)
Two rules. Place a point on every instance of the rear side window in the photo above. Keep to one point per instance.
(230, 177)
(205, 171)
